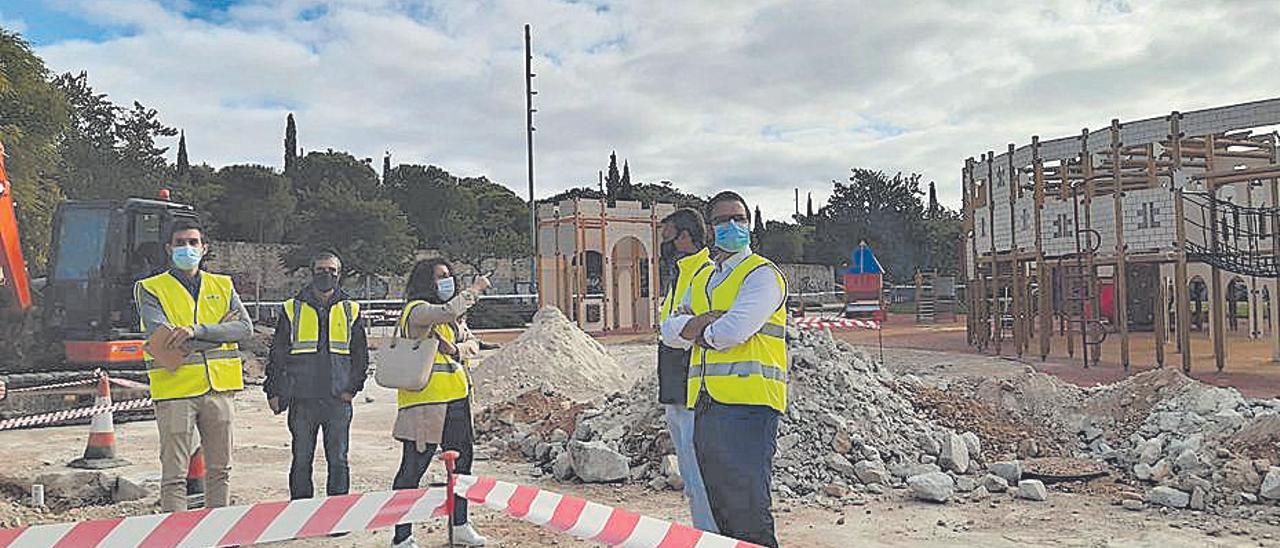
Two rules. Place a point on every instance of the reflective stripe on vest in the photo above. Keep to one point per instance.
(752, 373)
(304, 325)
(449, 380)
(686, 269)
(217, 369)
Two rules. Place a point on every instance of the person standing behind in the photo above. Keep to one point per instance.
(685, 254)
(199, 316)
(439, 415)
(734, 318)
(319, 362)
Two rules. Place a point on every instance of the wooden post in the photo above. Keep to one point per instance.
(1044, 313)
(1120, 280)
(997, 330)
(1275, 248)
(1017, 303)
(1180, 287)
(1217, 319)
(1091, 268)
(1162, 310)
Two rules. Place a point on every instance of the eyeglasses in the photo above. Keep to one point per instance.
(740, 219)
(325, 269)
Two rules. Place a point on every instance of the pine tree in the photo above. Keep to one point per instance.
(184, 164)
(386, 167)
(625, 183)
(933, 202)
(613, 183)
(809, 208)
(758, 228)
(290, 144)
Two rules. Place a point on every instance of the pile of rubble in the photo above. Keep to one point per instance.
(851, 428)
(1198, 446)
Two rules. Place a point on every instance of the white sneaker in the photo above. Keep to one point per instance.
(466, 535)
(407, 543)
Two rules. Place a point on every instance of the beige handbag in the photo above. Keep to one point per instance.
(406, 363)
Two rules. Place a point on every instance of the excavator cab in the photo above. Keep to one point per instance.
(99, 249)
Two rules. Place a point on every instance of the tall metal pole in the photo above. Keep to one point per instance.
(533, 206)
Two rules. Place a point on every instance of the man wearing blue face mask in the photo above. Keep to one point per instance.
(193, 320)
(733, 317)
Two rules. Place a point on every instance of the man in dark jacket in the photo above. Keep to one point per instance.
(319, 362)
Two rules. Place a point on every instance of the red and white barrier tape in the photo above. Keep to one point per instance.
(837, 323)
(68, 414)
(240, 525)
(587, 520)
(126, 383)
(67, 384)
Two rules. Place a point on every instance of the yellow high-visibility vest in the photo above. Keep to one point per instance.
(304, 322)
(218, 369)
(754, 372)
(449, 379)
(686, 268)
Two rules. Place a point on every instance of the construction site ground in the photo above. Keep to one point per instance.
(1075, 515)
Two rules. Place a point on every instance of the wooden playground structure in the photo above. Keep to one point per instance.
(1116, 231)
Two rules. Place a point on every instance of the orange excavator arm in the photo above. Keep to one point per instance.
(13, 269)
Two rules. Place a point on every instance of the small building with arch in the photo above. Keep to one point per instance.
(598, 263)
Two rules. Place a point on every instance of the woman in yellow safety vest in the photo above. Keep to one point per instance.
(439, 415)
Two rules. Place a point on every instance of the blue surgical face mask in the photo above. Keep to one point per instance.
(186, 257)
(445, 288)
(732, 236)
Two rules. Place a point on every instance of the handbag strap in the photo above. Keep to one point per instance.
(402, 325)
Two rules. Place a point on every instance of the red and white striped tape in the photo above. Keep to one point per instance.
(587, 520)
(68, 414)
(67, 384)
(836, 323)
(239, 525)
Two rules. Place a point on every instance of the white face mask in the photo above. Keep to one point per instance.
(445, 288)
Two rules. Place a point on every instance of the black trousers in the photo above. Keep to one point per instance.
(458, 436)
(306, 418)
(735, 445)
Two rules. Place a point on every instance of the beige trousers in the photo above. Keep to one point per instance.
(179, 420)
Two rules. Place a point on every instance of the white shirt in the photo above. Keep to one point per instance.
(759, 298)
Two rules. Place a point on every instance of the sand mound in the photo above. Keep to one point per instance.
(555, 355)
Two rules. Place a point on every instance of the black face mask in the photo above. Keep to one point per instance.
(324, 281)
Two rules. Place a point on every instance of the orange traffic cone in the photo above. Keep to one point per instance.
(100, 453)
(195, 480)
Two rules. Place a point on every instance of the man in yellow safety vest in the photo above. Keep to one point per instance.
(734, 319)
(319, 362)
(200, 316)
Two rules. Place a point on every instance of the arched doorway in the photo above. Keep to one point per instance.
(1198, 294)
(630, 288)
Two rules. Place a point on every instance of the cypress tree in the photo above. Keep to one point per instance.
(386, 167)
(184, 164)
(290, 144)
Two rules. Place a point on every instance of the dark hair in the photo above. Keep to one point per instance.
(724, 197)
(422, 281)
(185, 224)
(688, 220)
(324, 256)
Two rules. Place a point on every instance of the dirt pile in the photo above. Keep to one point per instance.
(553, 354)
(851, 427)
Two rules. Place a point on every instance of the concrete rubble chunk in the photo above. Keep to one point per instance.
(836, 490)
(953, 454)
(76, 486)
(1168, 497)
(871, 472)
(128, 490)
(1197, 499)
(994, 484)
(670, 470)
(973, 443)
(1271, 484)
(1133, 505)
(1142, 471)
(595, 462)
(1011, 471)
(840, 464)
(562, 467)
(932, 487)
(979, 494)
(966, 484)
(1032, 490)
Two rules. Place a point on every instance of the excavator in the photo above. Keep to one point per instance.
(80, 317)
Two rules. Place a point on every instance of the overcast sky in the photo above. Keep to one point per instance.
(758, 96)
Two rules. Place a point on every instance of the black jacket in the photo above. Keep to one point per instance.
(318, 374)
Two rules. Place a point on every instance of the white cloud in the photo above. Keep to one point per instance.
(762, 96)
